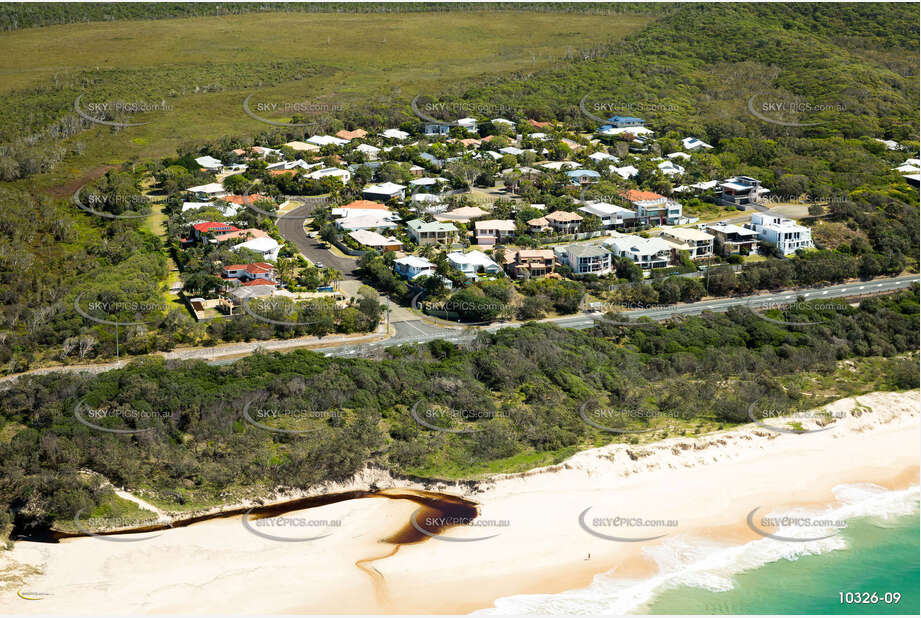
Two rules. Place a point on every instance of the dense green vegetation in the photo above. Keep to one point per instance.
(14, 16)
(522, 388)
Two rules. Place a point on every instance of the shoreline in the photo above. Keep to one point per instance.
(211, 566)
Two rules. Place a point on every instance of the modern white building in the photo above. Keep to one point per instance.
(585, 259)
(700, 244)
(384, 191)
(331, 172)
(611, 215)
(786, 234)
(645, 252)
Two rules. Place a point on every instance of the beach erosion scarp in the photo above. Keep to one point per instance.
(539, 532)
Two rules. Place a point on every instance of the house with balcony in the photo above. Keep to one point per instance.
(491, 231)
(530, 262)
(652, 208)
(733, 238)
(563, 222)
(413, 266)
(246, 273)
(432, 232)
(741, 191)
(612, 216)
(585, 259)
(583, 177)
(644, 252)
(700, 244)
(473, 263)
(384, 192)
(786, 234)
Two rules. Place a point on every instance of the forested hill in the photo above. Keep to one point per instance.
(852, 69)
(16, 16)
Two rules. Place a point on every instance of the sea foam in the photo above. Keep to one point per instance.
(703, 563)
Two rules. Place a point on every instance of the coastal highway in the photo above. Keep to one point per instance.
(417, 331)
(409, 331)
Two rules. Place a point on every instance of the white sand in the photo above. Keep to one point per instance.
(707, 484)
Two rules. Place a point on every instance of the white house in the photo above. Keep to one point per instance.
(700, 244)
(212, 189)
(503, 121)
(326, 140)
(692, 144)
(625, 172)
(611, 215)
(368, 150)
(395, 134)
(367, 220)
(645, 252)
(786, 234)
(585, 259)
(467, 123)
(211, 164)
(413, 266)
(266, 246)
(491, 231)
(384, 191)
(472, 263)
(670, 168)
(331, 172)
(603, 156)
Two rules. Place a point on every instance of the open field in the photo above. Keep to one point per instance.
(345, 61)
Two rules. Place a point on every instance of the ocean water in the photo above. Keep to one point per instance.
(878, 551)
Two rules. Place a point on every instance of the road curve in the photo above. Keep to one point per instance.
(417, 331)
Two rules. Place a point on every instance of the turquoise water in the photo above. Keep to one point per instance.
(881, 556)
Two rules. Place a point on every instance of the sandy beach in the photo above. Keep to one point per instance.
(701, 487)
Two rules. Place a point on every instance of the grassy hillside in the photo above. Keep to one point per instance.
(204, 67)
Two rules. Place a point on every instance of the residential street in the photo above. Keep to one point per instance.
(291, 227)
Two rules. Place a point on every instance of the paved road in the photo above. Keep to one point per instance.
(291, 227)
(418, 331)
(428, 332)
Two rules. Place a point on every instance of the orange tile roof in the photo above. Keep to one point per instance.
(539, 125)
(365, 205)
(238, 199)
(640, 196)
(562, 216)
(282, 172)
(356, 134)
